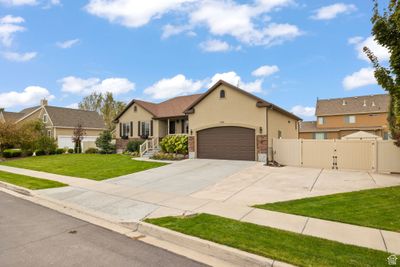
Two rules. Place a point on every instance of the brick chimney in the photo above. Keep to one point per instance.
(44, 102)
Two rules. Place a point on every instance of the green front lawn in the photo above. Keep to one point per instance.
(276, 244)
(91, 166)
(377, 208)
(28, 182)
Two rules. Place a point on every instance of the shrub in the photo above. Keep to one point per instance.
(168, 156)
(71, 151)
(60, 151)
(27, 153)
(12, 153)
(51, 152)
(92, 150)
(133, 146)
(175, 144)
(103, 142)
(40, 152)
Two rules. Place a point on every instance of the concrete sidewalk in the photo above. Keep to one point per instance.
(128, 203)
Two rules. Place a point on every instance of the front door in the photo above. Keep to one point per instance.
(172, 127)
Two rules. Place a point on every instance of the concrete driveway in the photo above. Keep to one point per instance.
(214, 186)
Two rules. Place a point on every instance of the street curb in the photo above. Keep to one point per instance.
(15, 188)
(222, 252)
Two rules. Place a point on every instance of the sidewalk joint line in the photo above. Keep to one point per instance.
(304, 227)
(247, 213)
(316, 179)
(371, 177)
(383, 239)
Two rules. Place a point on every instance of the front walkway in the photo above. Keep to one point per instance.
(187, 189)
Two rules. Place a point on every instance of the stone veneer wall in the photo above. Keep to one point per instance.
(192, 146)
(121, 144)
(262, 147)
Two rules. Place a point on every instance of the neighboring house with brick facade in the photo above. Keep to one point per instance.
(60, 122)
(340, 117)
(225, 122)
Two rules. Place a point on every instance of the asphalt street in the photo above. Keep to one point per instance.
(32, 235)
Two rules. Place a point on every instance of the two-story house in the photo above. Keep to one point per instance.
(340, 117)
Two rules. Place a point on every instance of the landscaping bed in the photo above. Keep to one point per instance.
(377, 208)
(28, 182)
(90, 166)
(272, 243)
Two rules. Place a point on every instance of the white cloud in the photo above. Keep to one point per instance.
(68, 43)
(30, 96)
(215, 45)
(78, 85)
(361, 78)
(332, 11)
(73, 105)
(18, 2)
(238, 20)
(379, 51)
(9, 25)
(171, 87)
(133, 13)
(19, 57)
(265, 71)
(234, 79)
(245, 22)
(303, 111)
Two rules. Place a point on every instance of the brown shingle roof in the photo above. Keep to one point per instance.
(353, 105)
(67, 117)
(173, 107)
(311, 127)
(12, 116)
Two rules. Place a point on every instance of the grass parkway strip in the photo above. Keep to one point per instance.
(28, 182)
(377, 208)
(91, 166)
(272, 243)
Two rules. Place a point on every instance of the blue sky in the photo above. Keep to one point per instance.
(288, 52)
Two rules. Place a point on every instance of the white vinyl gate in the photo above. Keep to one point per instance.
(367, 155)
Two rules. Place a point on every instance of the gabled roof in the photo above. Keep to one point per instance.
(353, 105)
(173, 107)
(12, 116)
(67, 117)
(260, 102)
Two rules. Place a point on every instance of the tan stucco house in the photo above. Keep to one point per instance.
(60, 122)
(225, 122)
(339, 117)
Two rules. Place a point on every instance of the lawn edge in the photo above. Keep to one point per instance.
(226, 253)
(16, 188)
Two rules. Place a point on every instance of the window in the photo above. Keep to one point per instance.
(135, 108)
(145, 128)
(186, 126)
(279, 134)
(49, 133)
(222, 94)
(45, 118)
(320, 136)
(386, 136)
(350, 119)
(125, 130)
(321, 120)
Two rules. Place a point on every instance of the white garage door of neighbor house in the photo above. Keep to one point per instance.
(66, 141)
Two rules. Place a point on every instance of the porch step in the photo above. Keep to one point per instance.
(151, 153)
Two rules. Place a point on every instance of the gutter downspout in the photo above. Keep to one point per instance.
(267, 132)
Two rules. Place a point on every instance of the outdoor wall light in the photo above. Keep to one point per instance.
(191, 132)
(260, 129)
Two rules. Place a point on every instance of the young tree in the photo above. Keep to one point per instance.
(386, 30)
(104, 143)
(9, 136)
(77, 137)
(105, 105)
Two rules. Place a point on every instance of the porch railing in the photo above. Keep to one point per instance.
(149, 145)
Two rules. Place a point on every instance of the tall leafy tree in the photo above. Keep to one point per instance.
(105, 105)
(386, 30)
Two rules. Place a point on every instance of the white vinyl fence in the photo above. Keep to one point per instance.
(367, 155)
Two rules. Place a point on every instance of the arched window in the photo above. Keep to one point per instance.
(222, 94)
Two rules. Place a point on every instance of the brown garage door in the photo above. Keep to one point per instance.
(234, 143)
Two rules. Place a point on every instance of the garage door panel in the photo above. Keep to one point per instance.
(235, 143)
